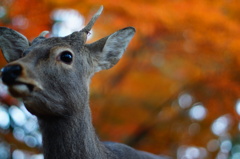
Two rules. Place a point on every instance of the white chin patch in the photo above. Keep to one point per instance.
(19, 90)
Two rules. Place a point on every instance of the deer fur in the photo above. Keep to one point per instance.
(52, 76)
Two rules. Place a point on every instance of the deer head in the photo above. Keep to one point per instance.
(52, 75)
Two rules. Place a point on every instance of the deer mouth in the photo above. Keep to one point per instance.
(23, 86)
(22, 89)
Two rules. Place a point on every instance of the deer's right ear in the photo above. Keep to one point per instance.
(107, 51)
(12, 44)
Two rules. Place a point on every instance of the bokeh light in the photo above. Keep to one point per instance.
(185, 100)
(198, 112)
(221, 125)
(238, 107)
(4, 118)
(66, 22)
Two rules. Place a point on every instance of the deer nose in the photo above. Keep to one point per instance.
(10, 74)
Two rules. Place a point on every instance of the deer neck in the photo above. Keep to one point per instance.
(71, 137)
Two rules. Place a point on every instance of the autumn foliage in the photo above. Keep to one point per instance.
(178, 84)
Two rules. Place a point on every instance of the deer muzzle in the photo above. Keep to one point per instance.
(12, 76)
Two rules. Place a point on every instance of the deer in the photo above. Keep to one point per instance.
(51, 75)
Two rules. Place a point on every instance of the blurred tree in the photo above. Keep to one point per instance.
(175, 92)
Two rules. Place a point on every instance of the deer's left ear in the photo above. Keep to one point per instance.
(12, 44)
(107, 52)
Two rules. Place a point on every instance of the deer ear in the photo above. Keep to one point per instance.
(12, 44)
(107, 52)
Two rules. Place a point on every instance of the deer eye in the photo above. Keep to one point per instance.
(66, 57)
